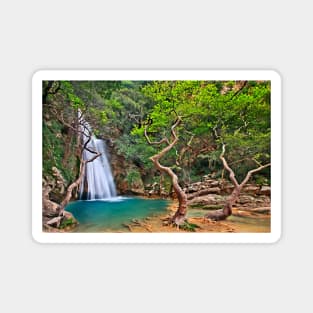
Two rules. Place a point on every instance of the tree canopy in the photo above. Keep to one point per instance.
(234, 113)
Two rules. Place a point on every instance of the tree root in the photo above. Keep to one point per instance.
(55, 221)
(128, 226)
(181, 223)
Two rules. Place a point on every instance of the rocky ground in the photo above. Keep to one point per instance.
(210, 194)
(241, 221)
(251, 213)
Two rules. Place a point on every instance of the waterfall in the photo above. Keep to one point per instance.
(98, 182)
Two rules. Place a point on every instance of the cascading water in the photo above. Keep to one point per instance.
(98, 182)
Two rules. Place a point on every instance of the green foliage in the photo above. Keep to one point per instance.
(68, 90)
(133, 177)
(66, 222)
(54, 142)
(135, 150)
(52, 146)
(261, 180)
(234, 113)
(189, 226)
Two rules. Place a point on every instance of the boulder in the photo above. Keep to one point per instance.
(137, 191)
(262, 210)
(212, 207)
(263, 200)
(207, 200)
(246, 199)
(214, 183)
(265, 190)
(203, 192)
(60, 181)
(216, 190)
(193, 187)
(251, 189)
(227, 187)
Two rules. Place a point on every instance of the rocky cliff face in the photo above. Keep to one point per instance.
(127, 176)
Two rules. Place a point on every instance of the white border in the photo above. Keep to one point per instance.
(44, 237)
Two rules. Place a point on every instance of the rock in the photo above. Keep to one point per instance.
(251, 189)
(211, 191)
(164, 194)
(210, 182)
(207, 200)
(227, 187)
(206, 177)
(202, 192)
(263, 210)
(205, 184)
(214, 183)
(137, 191)
(246, 199)
(263, 201)
(49, 208)
(59, 223)
(212, 207)
(265, 190)
(216, 190)
(153, 189)
(193, 187)
(57, 185)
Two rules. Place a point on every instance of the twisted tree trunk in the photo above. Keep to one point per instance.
(226, 211)
(180, 215)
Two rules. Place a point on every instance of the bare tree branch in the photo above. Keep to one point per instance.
(226, 166)
(254, 171)
(155, 142)
(184, 150)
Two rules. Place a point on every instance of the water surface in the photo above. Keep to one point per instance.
(260, 224)
(111, 214)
